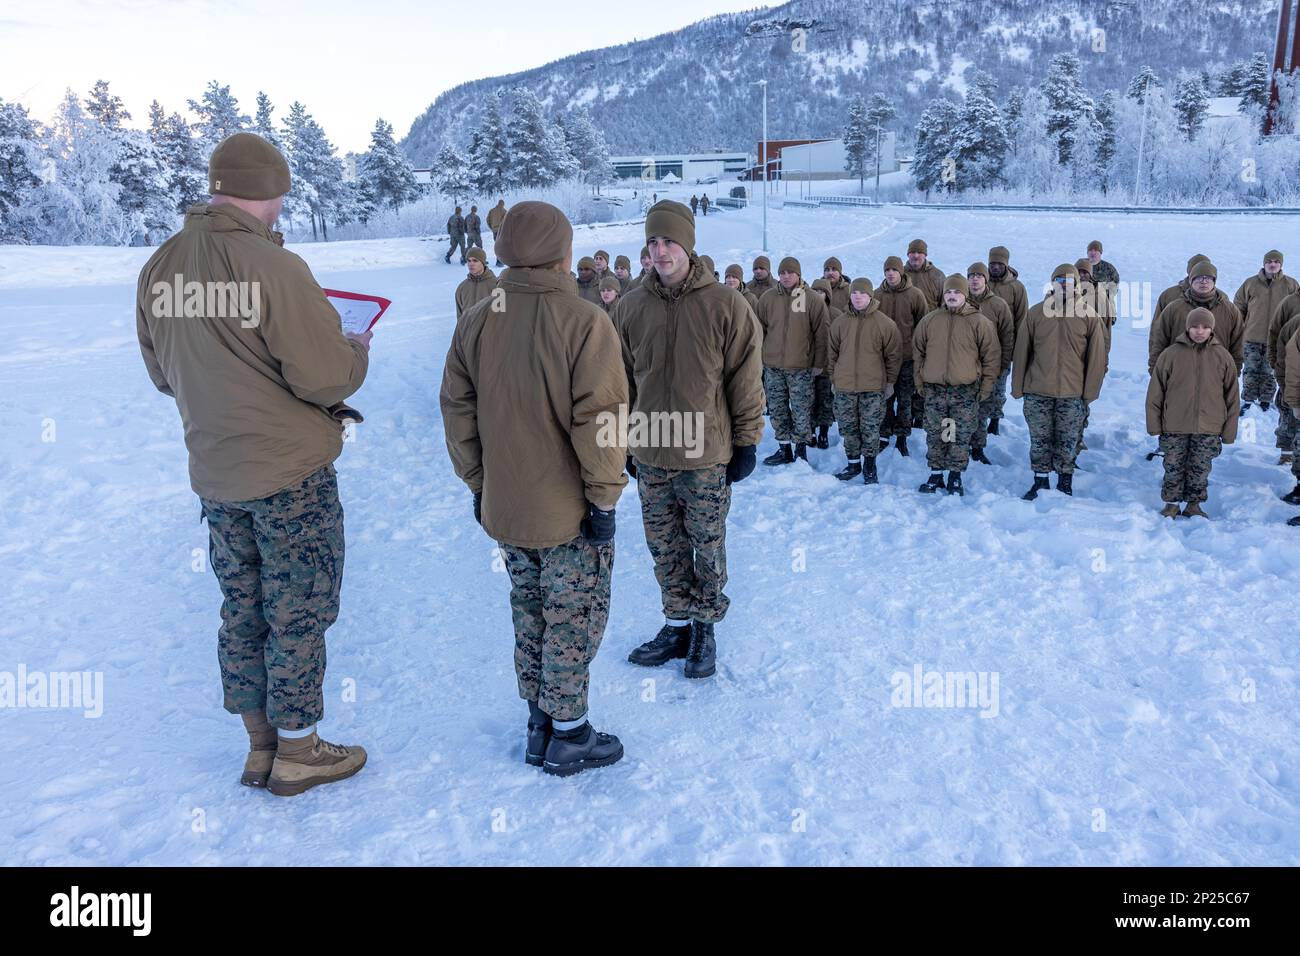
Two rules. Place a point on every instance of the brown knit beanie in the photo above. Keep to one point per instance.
(671, 220)
(895, 263)
(862, 285)
(1273, 254)
(1191, 263)
(586, 262)
(534, 233)
(762, 262)
(1000, 254)
(611, 282)
(1205, 268)
(1199, 316)
(832, 263)
(789, 264)
(247, 167)
(977, 269)
(1066, 270)
(956, 283)
(918, 245)
(1095, 244)
(623, 262)
(476, 253)
(735, 270)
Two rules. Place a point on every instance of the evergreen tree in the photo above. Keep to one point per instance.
(1011, 113)
(316, 173)
(489, 152)
(980, 143)
(880, 111)
(1256, 87)
(986, 85)
(79, 205)
(451, 173)
(218, 116)
(264, 123)
(586, 144)
(107, 109)
(933, 165)
(1140, 84)
(387, 173)
(1069, 107)
(1106, 138)
(19, 161)
(857, 141)
(146, 193)
(181, 157)
(1191, 103)
(537, 147)
(1231, 81)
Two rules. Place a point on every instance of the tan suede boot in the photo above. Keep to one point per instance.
(262, 740)
(305, 762)
(1169, 511)
(1193, 510)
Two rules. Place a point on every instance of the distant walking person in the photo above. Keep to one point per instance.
(704, 204)
(526, 392)
(456, 233)
(261, 398)
(496, 215)
(695, 205)
(474, 228)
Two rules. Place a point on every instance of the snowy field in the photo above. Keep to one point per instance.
(1146, 706)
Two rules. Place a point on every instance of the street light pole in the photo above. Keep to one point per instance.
(763, 84)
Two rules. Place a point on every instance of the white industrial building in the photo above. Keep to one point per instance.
(687, 167)
(825, 160)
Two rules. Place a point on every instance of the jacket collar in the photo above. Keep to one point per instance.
(225, 218)
(522, 279)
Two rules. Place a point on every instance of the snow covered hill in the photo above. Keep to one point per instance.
(1146, 707)
(818, 54)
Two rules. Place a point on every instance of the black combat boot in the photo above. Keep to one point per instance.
(851, 470)
(702, 658)
(1263, 406)
(993, 426)
(572, 751)
(824, 437)
(1040, 484)
(539, 734)
(883, 444)
(1292, 497)
(869, 476)
(669, 644)
(801, 451)
(901, 444)
(933, 483)
(1065, 484)
(782, 456)
(917, 421)
(1294, 522)
(977, 454)
(1245, 407)
(954, 484)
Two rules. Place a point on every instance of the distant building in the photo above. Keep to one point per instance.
(1224, 113)
(819, 159)
(687, 167)
(423, 176)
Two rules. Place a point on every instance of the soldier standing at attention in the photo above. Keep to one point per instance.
(1192, 404)
(955, 355)
(261, 398)
(478, 284)
(795, 321)
(544, 480)
(691, 346)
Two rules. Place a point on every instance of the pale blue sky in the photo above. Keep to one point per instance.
(348, 62)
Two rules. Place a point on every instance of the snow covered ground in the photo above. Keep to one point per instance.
(1146, 706)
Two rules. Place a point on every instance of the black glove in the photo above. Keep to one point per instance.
(598, 526)
(741, 465)
(478, 507)
(630, 467)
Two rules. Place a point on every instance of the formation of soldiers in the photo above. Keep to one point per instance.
(536, 371)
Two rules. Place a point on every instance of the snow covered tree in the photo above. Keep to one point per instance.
(536, 145)
(857, 141)
(451, 173)
(1104, 155)
(1011, 113)
(1191, 103)
(586, 144)
(79, 205)
(979, 143)
(1256, 88)
(1069, 107)
(264, 122)
(316, 173)
(387, 173)
(880, 111)
(1140, 84)
(489, 151)
(986, 85)
(107, 109)
(146, 194)
(934, 164)
(182, 159)
(20, 160)
(218, 116)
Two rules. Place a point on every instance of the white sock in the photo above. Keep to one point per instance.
(568, 724)
(298, 734)
(671, 623)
